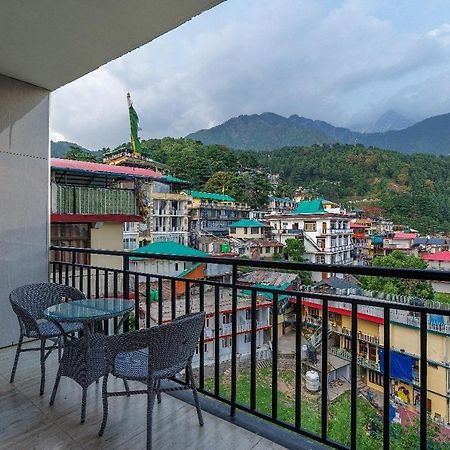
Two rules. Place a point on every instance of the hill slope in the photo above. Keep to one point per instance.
(411, 189)
(270, 131)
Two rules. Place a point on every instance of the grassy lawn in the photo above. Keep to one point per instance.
(339, 410)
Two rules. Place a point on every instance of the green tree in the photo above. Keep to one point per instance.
(247, 188)
(78, 154)
(294, 250)
(399, 286)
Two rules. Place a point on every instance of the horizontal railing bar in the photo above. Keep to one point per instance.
(416, 274)
(363, 301)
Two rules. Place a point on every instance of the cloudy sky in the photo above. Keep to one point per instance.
(345, 62)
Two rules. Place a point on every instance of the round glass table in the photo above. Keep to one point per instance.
(84, 357)
(89, 310)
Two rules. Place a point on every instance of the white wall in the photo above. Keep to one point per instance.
(24, 193)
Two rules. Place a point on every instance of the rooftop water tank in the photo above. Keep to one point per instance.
(312, 381)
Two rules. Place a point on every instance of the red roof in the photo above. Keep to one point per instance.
(84, 166)
(402, 235)
(440, 256)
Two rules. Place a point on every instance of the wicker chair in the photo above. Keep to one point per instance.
(29, 302)
(152, 355)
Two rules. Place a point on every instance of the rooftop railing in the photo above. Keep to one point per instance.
(160, 298)
(86, 200)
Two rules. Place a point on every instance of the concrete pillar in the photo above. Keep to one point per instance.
(24, 193)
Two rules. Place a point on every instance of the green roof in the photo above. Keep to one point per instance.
(310, 207)
(269, 295)
(167, 248)
(172, 179)
(211, 196)
(247, 223)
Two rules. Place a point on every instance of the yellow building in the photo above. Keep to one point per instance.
(404, 352)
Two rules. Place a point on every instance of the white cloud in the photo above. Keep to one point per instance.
(333, 63)
(441, 34)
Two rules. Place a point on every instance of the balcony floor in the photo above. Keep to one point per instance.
(27, 421)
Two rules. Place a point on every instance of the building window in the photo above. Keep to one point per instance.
(232, 230)
(247, 338)
(267, 249)
(375, 378)
(254, 230)
(310, 226)
(320, 259)
(226, 342)
(248, 314)
(226, 318)
(245, 230)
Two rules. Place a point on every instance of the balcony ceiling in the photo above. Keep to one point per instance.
(50, 43)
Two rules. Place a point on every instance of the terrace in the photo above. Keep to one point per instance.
(219, 374)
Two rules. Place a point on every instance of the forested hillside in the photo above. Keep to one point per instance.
(410, 189)
(270, 131)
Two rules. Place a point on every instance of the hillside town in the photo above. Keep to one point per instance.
(130, 202)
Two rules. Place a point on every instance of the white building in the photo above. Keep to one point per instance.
(324, 229)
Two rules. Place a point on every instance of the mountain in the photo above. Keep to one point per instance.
(388, 121)
(269, 131)
(59, 149)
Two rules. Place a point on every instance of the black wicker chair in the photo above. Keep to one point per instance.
(152, 355)
(29, 302)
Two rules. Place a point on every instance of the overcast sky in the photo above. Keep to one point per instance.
(345, 62)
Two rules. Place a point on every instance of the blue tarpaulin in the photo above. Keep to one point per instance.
(401, 365)
(391, 413)
(437, 319)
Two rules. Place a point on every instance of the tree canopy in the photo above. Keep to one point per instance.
(399, 286)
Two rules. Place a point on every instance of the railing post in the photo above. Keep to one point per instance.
(126, 285)
(233, 339)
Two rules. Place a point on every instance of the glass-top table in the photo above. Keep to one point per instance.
(89, 310)
(84, 357)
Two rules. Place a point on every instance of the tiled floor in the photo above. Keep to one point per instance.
(28, 422)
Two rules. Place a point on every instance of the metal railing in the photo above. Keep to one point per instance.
(160, 298)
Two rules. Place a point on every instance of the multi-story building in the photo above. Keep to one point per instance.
(225, 321)
(89, 206)
(212, 214)
(404, 351)
(361, 240)
(167, 213)
(438, 261)
(279, 205)
(324, 229)
(400, 241)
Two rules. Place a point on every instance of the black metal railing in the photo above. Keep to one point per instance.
(162, 297)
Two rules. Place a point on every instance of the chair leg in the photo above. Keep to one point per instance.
(158, 391)
(41, 390)
(59, 348)
(83, 405)
(105, 405)
(127, 388)
(150, 403)
(194, 393)
(16, 359)
(55, 386)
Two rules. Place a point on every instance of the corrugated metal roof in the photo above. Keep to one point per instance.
(89, 167)
(310, 207)
(168, 248)
(247, 223)
(211, 196)
(440, 256)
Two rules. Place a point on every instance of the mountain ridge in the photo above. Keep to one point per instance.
(270, 131)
